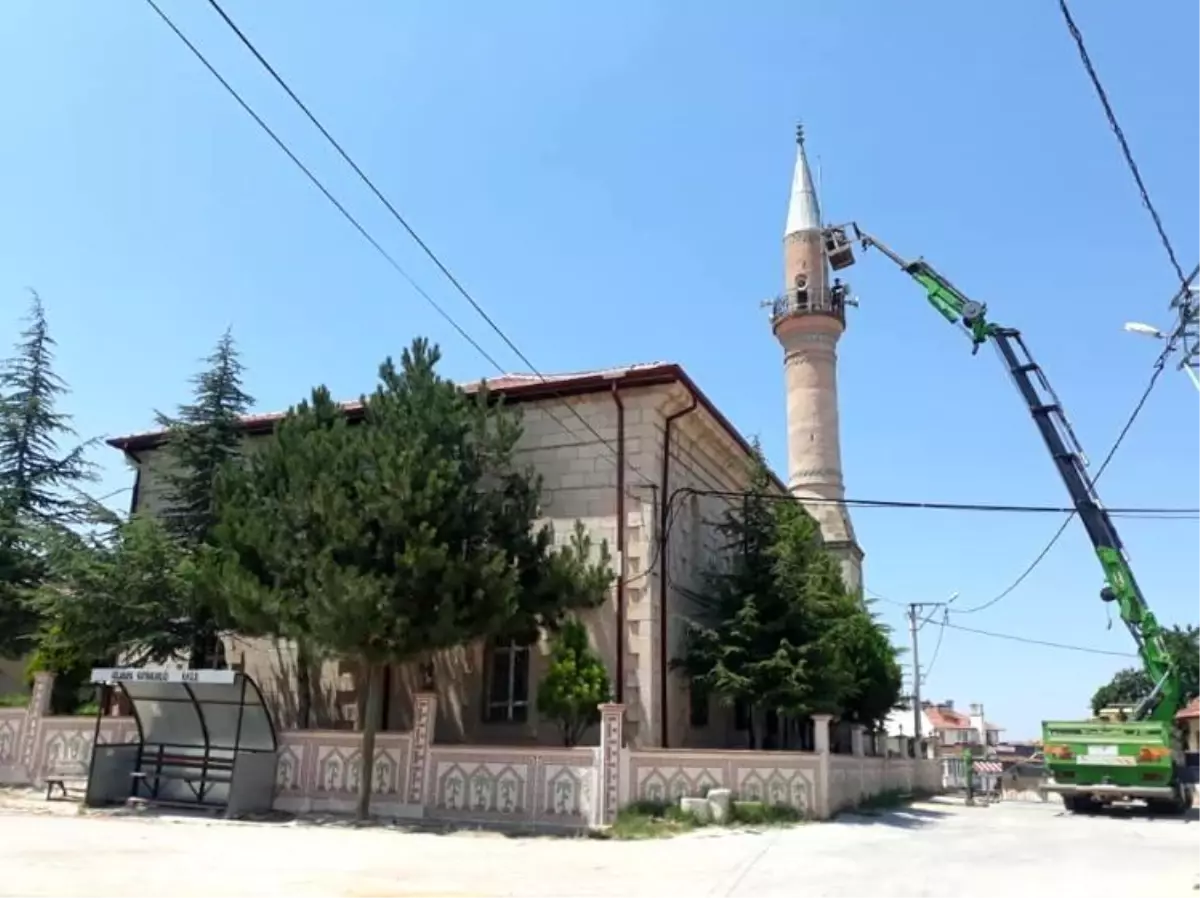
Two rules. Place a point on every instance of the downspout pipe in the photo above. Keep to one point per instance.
(620, 510)
(664, 520)
(137, 482)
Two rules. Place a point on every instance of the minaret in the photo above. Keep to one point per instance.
(808, 320)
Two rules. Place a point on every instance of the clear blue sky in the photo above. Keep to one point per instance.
(610, 180)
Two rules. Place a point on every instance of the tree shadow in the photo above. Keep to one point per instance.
(901, 818)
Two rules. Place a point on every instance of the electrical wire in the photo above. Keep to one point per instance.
(1077, 36)
(1160, 363)
(1042, 642)
(1179, 513)
(937, 647)
(378, 247)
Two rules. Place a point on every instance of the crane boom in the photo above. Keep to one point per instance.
(1056, 431)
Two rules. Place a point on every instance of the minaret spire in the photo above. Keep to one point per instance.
(804, 212)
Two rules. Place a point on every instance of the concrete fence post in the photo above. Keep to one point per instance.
(424, 724)
(38, 707)
(824, 803)
(857, 743)
(608, 795)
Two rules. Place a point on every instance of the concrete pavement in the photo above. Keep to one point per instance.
(931, 849)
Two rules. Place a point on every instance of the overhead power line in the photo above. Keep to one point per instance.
(937, 648)
(1184, 318)
(1042, 642)
(370, 184)
(1180, 513)
(945, 623)
(1086, 59)
(279, 142)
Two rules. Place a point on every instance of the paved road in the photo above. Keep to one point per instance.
(935, 849)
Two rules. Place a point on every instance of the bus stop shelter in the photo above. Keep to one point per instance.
(204, 739)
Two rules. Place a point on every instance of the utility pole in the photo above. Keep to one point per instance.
(913, 628)
(916, 666)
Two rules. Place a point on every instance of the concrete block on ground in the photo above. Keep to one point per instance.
(695, 807)
(718, 804)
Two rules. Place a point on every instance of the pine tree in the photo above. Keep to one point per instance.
(782, 634)
(39, 481)
(130, 592)
(410, 532)
(735, 652)
(875, 683)
(267, 532)
(575, 684)
(203, 436)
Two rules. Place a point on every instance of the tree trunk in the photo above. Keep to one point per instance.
(304, 688)
(750, 727)
(370, 725)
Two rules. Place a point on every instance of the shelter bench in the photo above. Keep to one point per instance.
(204, 739)
(197, 771)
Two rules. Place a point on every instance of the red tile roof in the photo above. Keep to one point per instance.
(941, 718)
(515, 388)
(1192, 710)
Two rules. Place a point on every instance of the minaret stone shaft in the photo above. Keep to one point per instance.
(809, 319)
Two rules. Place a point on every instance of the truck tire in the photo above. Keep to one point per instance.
(1179, 803)
(1080, 804)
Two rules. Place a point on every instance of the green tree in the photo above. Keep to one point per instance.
(406, 532)
(1131, 685)
(39, 479)
(129, 592)
(726, 645)
(268, 531)
(203, 436)
(782, 634)
(876, 681)
(575, 684)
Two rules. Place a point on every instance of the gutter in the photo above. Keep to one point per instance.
(136, 495)
(664, 519)
(620, 508)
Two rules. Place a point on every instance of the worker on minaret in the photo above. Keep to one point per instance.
(808, 319)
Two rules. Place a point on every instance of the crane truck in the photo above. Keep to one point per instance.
(1126, 756)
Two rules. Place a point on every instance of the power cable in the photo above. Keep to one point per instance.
(379, 248)
(1041, 642)
(937, 647)
(400, 218)
(1179, 513)
(1077, 36)
(1160, 364)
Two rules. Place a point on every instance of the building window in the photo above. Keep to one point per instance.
(698, 712)
(507, 683)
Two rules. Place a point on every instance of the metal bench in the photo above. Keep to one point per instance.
(199, 772)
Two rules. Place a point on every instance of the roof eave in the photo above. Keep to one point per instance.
(549, 388)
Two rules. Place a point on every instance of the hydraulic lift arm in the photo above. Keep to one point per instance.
(1060, 440)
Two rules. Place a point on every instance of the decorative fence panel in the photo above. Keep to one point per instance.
(514, 786)
(320, 771)
(554, 788)
(787, 778)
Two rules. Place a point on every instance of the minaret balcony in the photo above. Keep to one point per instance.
(799, 302)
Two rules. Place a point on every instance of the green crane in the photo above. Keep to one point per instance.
(1085, 758)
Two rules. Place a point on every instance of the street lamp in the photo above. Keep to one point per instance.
(1149, 330)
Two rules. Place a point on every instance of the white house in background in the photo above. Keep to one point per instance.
(946, 728)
